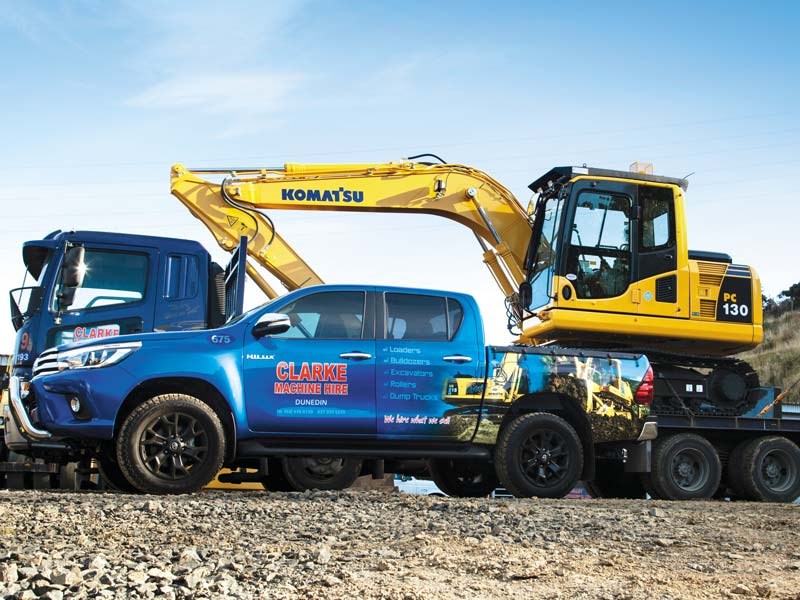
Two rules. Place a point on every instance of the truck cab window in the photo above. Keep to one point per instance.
(416, 317)
(111, 278)
(325, 316)
(599, 258)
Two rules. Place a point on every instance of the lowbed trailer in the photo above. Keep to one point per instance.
(750, 457)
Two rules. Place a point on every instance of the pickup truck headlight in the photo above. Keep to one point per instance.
(93, 357)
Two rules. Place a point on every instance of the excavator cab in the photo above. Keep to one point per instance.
(609, 265)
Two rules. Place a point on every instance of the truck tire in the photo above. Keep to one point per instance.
(171, 444)
(463, 478)
(686, 466)
(769, 470)
(275, 480)
(538, 454)
(611, 481)
(112, 477)
(321, 472)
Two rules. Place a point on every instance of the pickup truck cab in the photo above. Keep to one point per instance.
(328, 381)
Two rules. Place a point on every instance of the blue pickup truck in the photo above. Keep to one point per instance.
(330, 382)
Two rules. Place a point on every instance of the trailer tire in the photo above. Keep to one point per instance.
(769, 470)
(611, 481)
(275, 480)
(68, 477)
(171, 444)
(463, 478)
(538, 454)
(41, 481)
(112, 477)
(733, 472)
(321, 472)
(686, 466)
(15, 480)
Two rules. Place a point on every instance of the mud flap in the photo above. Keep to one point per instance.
(638, 457)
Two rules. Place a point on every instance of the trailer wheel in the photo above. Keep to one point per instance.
(68, 477)
(611, 481)
(686, 466)
(171, 444)
(41, 481)
(275, 480)
(538, 454)
(321, 472)
(463, 478)
(15, 480)
(112, 477)
(768, 470)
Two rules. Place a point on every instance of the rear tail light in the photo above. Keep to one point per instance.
(644, 395)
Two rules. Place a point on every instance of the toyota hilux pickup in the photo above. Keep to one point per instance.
(336, 381)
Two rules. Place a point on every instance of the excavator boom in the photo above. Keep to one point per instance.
(229, 222)
(456, 192)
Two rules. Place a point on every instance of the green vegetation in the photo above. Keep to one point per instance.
(777, 359)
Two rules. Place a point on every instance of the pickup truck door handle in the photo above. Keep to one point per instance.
(355, 355)
(458, 358)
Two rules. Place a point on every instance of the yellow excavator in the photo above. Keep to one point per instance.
(599, 258)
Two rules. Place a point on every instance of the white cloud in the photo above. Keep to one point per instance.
(241, 94)
(231, 46)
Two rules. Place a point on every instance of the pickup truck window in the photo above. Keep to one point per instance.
(326, 316)
(421, 318)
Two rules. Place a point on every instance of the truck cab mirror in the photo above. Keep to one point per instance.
(65, 297)
(271, 324)
(73, 269)
(525, 294)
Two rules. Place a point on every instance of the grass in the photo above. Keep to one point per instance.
(777, 359)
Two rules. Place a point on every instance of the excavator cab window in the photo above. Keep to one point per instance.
(543, 267)
(599, 255)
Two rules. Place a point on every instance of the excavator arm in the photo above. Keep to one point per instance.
(231, 208)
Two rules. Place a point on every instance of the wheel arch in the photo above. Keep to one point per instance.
(199, 388)
(568, 409)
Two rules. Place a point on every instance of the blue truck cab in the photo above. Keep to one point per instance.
(129, 284)
(332, 381)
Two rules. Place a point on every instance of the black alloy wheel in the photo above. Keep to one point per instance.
(172, 443)
(539, 454)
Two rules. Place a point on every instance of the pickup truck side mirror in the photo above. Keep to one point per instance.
(270, 324)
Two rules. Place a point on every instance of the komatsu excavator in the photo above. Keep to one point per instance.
(601, 260)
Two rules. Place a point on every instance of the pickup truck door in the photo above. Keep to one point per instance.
(428, 346)
(318, 377)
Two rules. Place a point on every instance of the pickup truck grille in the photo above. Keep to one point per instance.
(46, 363)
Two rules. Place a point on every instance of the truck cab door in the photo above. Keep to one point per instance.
(319, 376)
(116, 296)
(430, 367)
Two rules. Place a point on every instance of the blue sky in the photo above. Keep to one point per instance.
(99, 99)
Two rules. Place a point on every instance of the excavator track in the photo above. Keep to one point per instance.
(676, 372)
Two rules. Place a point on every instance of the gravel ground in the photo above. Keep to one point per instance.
(390, 545)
